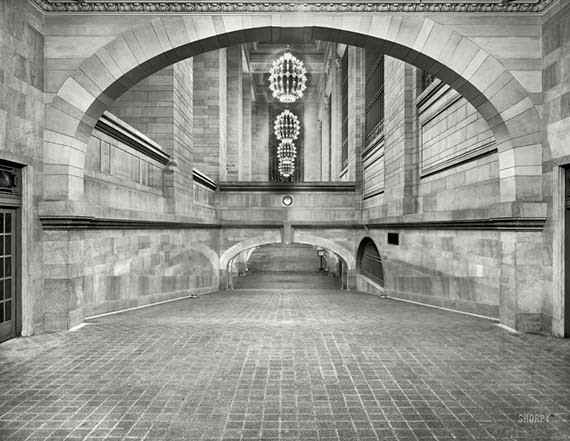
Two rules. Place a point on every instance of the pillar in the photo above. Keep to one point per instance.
(247, 98)
(210, 110)
(234, 113)
(356, 88)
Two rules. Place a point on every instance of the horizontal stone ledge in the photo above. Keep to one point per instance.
(89, 222)
(83, 223)
(123, 132)
(277, 187)
(294, 224)
(508, 224)
(461, 159)
(86, 222)
(203, 179)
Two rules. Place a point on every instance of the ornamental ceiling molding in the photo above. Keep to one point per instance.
(221, 7)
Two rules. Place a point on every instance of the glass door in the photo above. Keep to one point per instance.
(7, 279)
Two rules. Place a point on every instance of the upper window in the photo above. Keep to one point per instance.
(374, 94)
(344, 95)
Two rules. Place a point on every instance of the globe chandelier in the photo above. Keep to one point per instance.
(286, 153)
(286, 167)
(287, 78)
(286, 126)
(287, 150)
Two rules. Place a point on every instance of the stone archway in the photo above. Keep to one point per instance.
(227, 256)
(369, 265)
(144, 50)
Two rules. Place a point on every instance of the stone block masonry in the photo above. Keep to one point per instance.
(234, 116)
(210, 113)
(94, 272)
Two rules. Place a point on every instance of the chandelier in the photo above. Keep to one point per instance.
(286, 167)
(286, 126)
(287, 150)
(287, 78)
(286, 153)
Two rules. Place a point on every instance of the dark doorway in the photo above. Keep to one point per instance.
(369, 262)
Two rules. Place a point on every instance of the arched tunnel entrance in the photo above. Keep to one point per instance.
(287, 266)
(369, 268)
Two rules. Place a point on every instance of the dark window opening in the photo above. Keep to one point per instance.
(394, 238)
(344, 114)
(374, 94)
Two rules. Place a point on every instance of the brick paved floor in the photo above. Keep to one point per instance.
(289, 365)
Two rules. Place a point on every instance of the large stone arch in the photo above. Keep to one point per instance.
(420, 41)
(246, 244)
(307, 239)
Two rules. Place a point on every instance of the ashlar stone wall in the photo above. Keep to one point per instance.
(22, 120)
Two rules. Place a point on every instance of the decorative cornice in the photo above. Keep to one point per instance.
(233, 6)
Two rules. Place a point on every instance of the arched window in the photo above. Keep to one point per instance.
(369, 261)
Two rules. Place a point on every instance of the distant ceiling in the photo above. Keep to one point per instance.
(268, 6)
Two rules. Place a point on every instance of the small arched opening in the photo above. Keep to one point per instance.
(369, 267)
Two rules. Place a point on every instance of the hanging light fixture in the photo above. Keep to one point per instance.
(286, 126)
(287, 150)
(286, 153)
(286, 167)
(287, 78)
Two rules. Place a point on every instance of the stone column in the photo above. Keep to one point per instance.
(336, 120)
(183, 137)
(311, 140)
(325, 139)
(234, 113)
(210, 114)
(247, 95)
(356, 87)
(399, 138)
(260, 141)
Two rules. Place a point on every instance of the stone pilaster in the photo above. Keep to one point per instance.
(260, 141)
(325, 139)
(210, 114)
(356, 87)
(311, 139)
(247, 97)
(336, 120)
(399, 139)
(234, 116)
